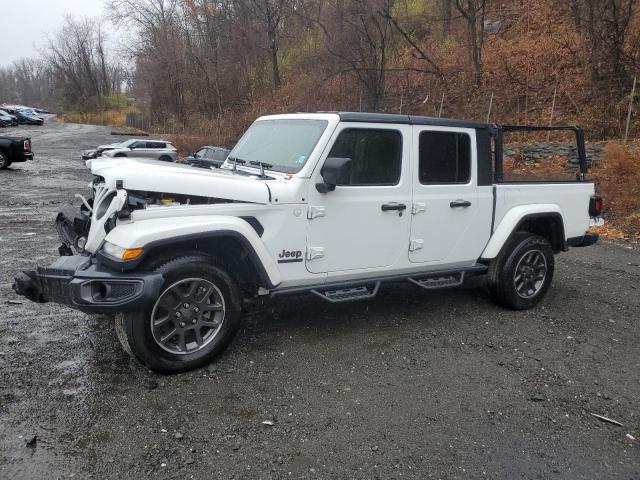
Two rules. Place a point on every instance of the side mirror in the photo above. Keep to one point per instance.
(335, 171)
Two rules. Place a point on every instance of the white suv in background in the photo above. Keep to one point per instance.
(153, 149)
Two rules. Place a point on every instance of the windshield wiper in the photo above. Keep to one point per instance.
(262, 165)
(236, 161)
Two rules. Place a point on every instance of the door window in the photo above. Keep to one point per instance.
(445, 158)
(155, 145)
(376, 155)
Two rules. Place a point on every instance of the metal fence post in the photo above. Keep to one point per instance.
(490, 105)
(441, 103)
(553, 107)
(633, 92)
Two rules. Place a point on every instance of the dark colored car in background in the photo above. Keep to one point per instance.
(14, 149)
(208, 157)
(7, 120)
(29, 117)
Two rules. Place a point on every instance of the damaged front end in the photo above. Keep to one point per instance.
(78, 278)
(79, 282)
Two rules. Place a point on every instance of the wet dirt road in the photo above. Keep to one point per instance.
(409, 385)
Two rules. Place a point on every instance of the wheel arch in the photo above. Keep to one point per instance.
(544, 220)
(227, 249)
(230, 241)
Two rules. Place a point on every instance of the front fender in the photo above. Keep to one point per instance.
(512, 219)
(146, 233)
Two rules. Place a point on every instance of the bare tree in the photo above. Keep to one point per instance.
(473, 12)
(270, 14)
(79, 65)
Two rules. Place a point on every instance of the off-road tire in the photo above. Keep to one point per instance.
(4, 160)
(134, 328)
(501, 278)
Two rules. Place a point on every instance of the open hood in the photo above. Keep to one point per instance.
(156, 176)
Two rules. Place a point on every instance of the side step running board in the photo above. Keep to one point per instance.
(439, 281)
(361, 292)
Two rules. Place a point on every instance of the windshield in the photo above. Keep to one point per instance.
(285, 144)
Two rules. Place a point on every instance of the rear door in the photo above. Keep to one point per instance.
(451, 214)
(365, 223)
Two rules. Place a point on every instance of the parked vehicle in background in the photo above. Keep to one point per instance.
(154, 149)
(7, 120)
(100, 149)
(14, 149)
(208, 157)
(332, 204)
(29, 117)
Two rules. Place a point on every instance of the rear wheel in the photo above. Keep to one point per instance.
(4, 161)
(521, 275)
(165, 158)
(191, 322)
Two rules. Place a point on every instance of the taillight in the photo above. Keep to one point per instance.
(595, 206)
(27, 145)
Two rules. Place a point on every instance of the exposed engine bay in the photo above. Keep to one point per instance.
(74, 224)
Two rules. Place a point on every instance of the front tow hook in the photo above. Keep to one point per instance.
(27, 285)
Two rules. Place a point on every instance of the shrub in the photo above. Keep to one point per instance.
(618, 183)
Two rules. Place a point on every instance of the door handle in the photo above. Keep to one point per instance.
(460, 203)
(393, 206)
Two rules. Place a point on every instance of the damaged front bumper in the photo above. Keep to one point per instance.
(78, 282)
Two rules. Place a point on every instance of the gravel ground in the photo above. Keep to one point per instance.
(412, 384)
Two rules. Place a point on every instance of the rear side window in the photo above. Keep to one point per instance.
(376, 155)
(445, 158)
(155, 145)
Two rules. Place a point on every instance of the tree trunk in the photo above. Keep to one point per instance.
(445, 13)
(273, 49)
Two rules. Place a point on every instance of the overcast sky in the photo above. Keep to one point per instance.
(25, 24)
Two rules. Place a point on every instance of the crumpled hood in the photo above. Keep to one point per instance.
(156, 176)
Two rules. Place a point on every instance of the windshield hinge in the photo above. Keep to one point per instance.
(315, 212)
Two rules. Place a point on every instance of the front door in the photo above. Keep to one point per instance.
(451, 215)
(364, 223)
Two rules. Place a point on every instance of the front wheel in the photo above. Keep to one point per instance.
(521, 274)
(4, 161)
(191, 322)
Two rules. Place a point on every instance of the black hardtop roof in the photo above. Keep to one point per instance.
(408, 119)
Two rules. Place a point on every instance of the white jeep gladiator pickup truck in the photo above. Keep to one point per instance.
(334, 204)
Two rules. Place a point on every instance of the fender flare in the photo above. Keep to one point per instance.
(512, 221)
(158, 232)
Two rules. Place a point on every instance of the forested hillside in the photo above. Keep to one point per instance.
(212, 66)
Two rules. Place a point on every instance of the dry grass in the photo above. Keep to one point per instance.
(114, 118)
(618, 183)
